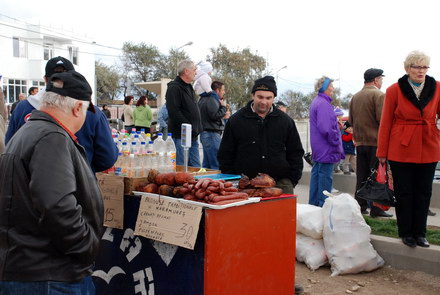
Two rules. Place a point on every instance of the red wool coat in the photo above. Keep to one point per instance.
(406, 134)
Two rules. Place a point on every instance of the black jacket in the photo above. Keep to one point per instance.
(51, 210)
(182, 108)
(271, 145)
(212, 112)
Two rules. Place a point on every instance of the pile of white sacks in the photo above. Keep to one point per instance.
(335, 234)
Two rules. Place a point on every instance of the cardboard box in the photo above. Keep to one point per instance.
(131, 183)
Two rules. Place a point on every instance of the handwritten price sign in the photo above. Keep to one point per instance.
(168, 220)
(112, 189)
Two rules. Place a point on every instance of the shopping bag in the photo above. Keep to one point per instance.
(381, 177)
(374, 191)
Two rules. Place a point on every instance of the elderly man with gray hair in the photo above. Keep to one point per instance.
(51, 210)
(182, 108)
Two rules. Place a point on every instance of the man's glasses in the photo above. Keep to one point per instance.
(418, 68)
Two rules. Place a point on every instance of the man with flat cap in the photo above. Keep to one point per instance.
(260, 138)
(364, 115)
(281, 105)
(51, 210)
(95, 135)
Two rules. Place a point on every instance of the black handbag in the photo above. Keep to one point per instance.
(308, 158)
(374, 191)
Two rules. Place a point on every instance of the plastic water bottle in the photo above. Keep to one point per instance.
(159, 148)
(118, 164)
(142, 157)
(134, 149)
(124, 163)
(148, 137)
(125, 148)
(142, 135)
(131, 165)
(171, 154)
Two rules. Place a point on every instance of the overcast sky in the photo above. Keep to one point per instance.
(339, 38)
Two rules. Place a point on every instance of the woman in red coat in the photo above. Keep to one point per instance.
(410, 140)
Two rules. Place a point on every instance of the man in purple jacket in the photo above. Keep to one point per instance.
(326, 143)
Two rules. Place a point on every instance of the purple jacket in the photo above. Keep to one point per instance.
(325, 136)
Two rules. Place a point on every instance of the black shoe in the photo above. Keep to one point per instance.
(430, 213)
(298, 289)
(380, 213)
(422, 242)
(364, 212)
(409, 241)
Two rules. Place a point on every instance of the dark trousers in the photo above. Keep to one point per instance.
(413, 188)
(365, 161)
(138, 128)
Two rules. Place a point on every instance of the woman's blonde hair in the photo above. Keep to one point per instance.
(416, 58)
(320, 82)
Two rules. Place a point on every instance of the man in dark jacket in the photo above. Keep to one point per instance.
(182, 108)
(95, 135)
(51, 210)
(261, 138)
(212, 109)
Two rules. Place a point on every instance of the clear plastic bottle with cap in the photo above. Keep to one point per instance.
(118, 164)
(160, 149)
(125, 147)
(142, 135)
(171, 154)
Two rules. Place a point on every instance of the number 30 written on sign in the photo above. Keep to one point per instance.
(185, 231)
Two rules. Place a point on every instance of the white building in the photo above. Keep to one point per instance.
(25, 49)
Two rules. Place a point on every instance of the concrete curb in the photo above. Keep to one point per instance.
(400, 256)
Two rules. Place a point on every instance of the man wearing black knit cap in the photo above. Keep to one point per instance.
(260, 138)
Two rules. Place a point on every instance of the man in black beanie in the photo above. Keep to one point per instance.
(260, 138)
(253, 134)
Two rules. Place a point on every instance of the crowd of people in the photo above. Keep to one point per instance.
(51, 206)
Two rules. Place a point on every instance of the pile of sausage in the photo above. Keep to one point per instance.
(217, 192)
(183, 185)
(261, 186)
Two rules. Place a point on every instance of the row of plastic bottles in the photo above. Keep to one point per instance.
(137, 154)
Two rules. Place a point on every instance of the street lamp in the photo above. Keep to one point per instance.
(285, 67)
(177, 51)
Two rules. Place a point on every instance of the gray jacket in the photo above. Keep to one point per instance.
(211, 112)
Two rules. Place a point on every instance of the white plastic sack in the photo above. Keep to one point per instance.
(309, 220)
(347, 237)
(310, 251)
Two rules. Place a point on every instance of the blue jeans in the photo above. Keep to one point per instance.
(321, 179)
(211, 144)
(193, 157)
(83, 287)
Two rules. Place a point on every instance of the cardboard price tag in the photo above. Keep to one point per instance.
(168, 220)
(112, 189)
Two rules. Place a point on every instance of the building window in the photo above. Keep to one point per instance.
(13, 87)
(73, 54)
(19, 47)
(38, 84)
(48, 51)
